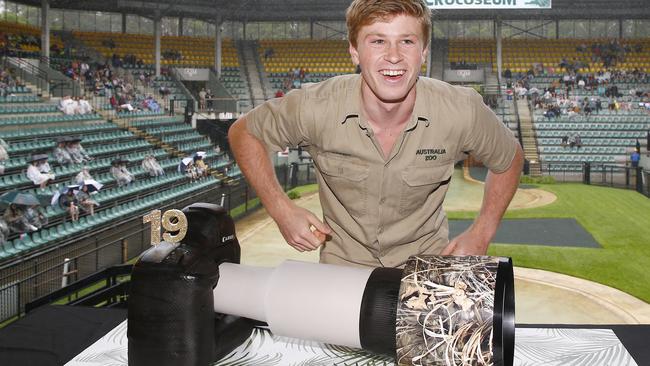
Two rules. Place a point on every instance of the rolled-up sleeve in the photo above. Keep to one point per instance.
(281, 122)
(487, 138)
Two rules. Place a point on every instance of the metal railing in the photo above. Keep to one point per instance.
(36, 71)
(602, 174)
(41, 274)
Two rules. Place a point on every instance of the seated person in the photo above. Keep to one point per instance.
(200, 166)
(84, 106)
(82, 176)
(68, 106)
(84, 200)
(69, 202)
(121, 173)
(16, 220)
(36, 217)
(35, 174)
(76, 151)
(4, 155)
(186, 167)
(151, 166)
(4, 231)
(60, 153)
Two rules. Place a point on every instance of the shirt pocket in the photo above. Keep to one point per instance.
(346, 179)
(419, 183)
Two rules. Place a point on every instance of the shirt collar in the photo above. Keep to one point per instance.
(352, 106)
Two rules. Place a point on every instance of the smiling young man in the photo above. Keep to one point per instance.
(384, 144)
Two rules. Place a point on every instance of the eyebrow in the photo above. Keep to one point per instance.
(385, 35)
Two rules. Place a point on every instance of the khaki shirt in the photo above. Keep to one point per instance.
(383, 210)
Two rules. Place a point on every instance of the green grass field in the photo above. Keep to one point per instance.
(618, 219)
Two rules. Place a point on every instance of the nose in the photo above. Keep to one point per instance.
(392, 54)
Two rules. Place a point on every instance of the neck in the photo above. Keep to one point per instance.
(386, 115)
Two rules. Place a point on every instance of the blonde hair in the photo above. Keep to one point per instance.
(365, 12)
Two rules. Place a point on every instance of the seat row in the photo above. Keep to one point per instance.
(68, 230)
(591, 126)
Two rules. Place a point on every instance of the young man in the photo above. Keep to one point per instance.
(384, 144)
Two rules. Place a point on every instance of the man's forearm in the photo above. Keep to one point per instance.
(252, 158)
(498, 192)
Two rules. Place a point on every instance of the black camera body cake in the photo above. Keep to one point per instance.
(191, 302)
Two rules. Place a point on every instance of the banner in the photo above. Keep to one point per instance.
(463, 76)
(489, 4)
(191, 74)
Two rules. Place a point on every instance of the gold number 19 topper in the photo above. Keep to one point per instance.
(172, 221)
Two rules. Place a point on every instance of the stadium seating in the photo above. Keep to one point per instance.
(194, 51)
(520, 54)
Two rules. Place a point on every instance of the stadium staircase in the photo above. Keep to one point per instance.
(249, 62)
(180, 140)
(491, 82)
(439, 56)
(528, 138)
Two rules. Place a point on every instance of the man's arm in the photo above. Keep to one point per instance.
(294, 222)
(498, 192)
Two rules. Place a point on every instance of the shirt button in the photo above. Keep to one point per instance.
(382, 200)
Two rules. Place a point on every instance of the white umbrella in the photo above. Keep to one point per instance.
(57, 194)
(184, 163)
(93, 185)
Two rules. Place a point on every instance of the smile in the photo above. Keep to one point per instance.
(392, 72)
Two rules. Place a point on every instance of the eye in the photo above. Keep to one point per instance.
(377, 41)
(408, 41)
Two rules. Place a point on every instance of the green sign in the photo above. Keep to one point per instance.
(489, 4)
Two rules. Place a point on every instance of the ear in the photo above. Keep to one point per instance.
(424, 54)
(354, 54)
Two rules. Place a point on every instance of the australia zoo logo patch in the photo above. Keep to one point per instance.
(431, 154)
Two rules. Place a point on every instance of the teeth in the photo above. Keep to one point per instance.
(392, 72)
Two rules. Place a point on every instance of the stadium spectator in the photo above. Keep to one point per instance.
(202, 95)
(279, 93)
(150, 104)
(151, 166)
(186, 167)
(634, 159)
(125, 103)
(268, 53)
(82, 176)
(16, 220)
(4, 231)
(36, 216)
(76, 151)
(565, 141)
(4, 155)
(60, 152)
(34, 172)
(67, 105)
(200, 165)
(578, 141)
(120, 172)
(84, 106)
(85, 202)
(68, 201)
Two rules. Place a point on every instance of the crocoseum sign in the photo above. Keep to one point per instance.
(489, 4)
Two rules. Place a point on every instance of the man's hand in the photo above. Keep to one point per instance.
(469, 242)
(498, 191)
(300, 227)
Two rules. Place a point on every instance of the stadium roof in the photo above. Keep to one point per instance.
(284, 10)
